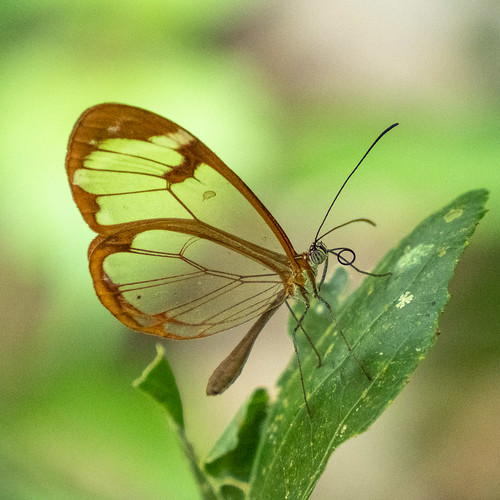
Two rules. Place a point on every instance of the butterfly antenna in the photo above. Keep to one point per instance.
(346, 224)
(316, 238)
(338, 252)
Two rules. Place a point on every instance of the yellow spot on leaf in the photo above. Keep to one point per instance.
(453, 214)
(329, 350)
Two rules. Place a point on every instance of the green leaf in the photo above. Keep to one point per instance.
(232, 457)
(158, 381)
(390, 323)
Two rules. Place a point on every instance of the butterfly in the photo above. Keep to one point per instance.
(184, 248)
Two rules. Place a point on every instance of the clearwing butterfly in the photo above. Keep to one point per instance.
(184, 248)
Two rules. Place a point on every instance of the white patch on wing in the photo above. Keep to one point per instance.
(181, 137)
(113, 129)
(173, 140)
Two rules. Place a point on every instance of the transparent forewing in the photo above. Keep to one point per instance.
(126, 164)
(174, 284)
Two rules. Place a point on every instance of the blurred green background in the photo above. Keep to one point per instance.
(289, 94)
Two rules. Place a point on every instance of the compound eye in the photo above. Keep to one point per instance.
(317, 253)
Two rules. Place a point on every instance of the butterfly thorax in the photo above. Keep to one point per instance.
(303, 280)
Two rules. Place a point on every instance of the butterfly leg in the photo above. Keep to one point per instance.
(298, 322)
(349, 348)
(323, 274)
(297, 356)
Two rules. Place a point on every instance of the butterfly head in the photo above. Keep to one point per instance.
(317, 253)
